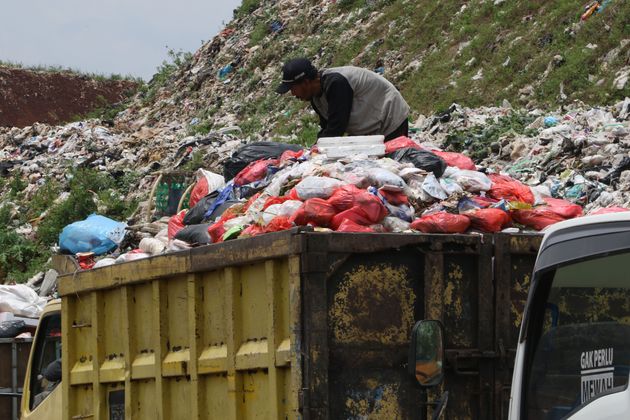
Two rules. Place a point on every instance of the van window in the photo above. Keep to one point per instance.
(46, 367)
(582, 349)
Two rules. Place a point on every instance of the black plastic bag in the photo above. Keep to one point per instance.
(194, 216)
(421, 159)
(13, 328)
(195, 234)
(252, 152)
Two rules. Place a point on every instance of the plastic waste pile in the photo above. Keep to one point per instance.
(414, 186)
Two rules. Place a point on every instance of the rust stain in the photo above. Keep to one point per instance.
(376, 402)
(374, 304)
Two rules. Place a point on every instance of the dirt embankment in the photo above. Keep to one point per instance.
(28, 96)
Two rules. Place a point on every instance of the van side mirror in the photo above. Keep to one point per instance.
(426, 352)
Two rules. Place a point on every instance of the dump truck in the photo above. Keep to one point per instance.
(289, 325)
(573, 352)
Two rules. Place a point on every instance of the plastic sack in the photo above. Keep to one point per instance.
(275, 200)
(368, 210)
(255, 171)
(253, 152)
(316, 212)
(471, 181)
(344, 197)
(12, 328)
(506, 188)
(207, 182)
(195, 214)
(380, 177)
(398, 143)
(442, 222)
(104, 262)
(608, 210)
(289, 155)
(134, 255)
(252, 230)
(97, 234)
(450, 186)
(432, 186)
(21, 300)
(151, 246)
(422, 159)
(278, 224)
(457, 160)
(317, 187)
(394, 224)
(540, 217)
(176, 223)
(288, 208)
(488, 220)
(195, 234)
(564, 208)
(537, 218)
(348, 225)
(403, 211)
(393, 197)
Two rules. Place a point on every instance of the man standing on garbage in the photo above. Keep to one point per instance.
(349, 100)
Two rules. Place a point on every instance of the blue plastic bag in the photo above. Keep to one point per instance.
(97, 234)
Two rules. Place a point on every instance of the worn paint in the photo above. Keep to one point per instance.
(373, 304)
(375, 401)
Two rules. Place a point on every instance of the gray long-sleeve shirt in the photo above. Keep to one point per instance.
(357, 101)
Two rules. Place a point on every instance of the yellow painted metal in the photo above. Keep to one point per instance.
(51, 407)
(214, 344)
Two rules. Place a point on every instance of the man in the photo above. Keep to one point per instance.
(349, 100)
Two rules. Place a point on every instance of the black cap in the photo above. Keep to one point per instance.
(295, 71)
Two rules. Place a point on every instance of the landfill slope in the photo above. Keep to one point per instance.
(28, 96)
(555, 116)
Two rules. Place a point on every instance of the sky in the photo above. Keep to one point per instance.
(110, 36)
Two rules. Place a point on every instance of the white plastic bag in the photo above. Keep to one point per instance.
(152, 246)
(380, 177)
(21, 300)
(394, 224)
(284, 209)
(471, 181)
(432, 187)
(317, 187)
(215, 181)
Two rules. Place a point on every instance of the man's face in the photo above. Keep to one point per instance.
(302, 90)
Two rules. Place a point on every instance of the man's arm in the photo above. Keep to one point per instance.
(339, 96)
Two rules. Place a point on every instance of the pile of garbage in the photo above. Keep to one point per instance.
(20, 307)
(575, 164)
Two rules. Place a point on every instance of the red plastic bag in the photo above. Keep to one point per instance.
(349, 226)
(175, 224)
(275, 200)
(394, 197)
(442, 222)
(277, 224)
(456, 159)
(315, 211)
(608, 210)
(537, 218)
(343, 198)
(290, 154)
(255, 171)
(216, 232)
(506, 188)
(540, 217)
(566, 209)
(488, 220)
(400, 143)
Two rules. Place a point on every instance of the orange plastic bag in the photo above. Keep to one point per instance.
(400, 143)
(315, 211)
(506, 188)
(457, 160)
